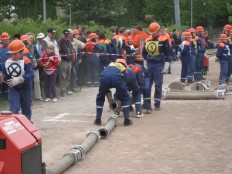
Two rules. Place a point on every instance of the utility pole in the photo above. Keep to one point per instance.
(70, 15)
(44, 11)
(191, 5)
(177, 12)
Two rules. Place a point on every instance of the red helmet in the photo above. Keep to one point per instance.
(16, 46)
(154, 27)
(93, 35)
(75, 31)
(24, 37)
(192, 30)
(123, 61)
(223, 36)
(187, 34)
(227, 27)
(199, 28)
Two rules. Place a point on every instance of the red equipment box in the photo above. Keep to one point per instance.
(20, 145)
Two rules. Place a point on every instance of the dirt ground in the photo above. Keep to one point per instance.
(185, 137)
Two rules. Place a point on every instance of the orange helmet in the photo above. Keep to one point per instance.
(75, 31)
(93, 35)
(129, 38)
(154, 27)
(227, 27)
(5, 35)
(123, 61)
(192, 30)
(199, 28)
(223, 36)
(187, 34)
(24, 37)
(16, 46)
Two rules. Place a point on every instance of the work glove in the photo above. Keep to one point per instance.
(15, 81)
(166, 67)
(145, 64)
(178, 54)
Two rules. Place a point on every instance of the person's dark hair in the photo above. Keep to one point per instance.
(139, 28)
(113, 29)
(101, 35)
(122, 30)
(17, 36)
(174, 30)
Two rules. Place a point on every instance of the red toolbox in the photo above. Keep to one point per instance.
(20, 145)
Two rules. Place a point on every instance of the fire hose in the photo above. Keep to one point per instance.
(193, 95)
(74, 155)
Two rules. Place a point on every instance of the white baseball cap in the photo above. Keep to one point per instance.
(40, 35)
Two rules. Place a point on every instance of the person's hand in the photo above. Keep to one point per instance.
(1, 77)
(51, 58)
(15, 81)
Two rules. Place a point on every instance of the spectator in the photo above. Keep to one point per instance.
(77, 46)
(4, 55)
(35, 60)
(49, 63)
(50, 40)
(67, 56)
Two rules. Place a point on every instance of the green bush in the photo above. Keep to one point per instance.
(36, 26)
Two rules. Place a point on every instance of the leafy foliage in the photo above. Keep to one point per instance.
(122, 12)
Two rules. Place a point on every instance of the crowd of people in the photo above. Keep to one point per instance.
(130, 61)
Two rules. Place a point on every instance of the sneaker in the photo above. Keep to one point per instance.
(47, 99)
(157, 107)
(127, 122)
(139, 115)
(116, 113)
(97, 121)
(148, 111)
(54, 99)
(69, 92)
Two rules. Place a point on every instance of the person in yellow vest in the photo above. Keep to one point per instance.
(156, 51)
(113, 76)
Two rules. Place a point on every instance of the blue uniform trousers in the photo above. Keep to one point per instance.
(113, 81)
(92, 70)
(190, 73)
(223, 71)
(136, 94)
(229, 69)
(154, 73)
(199, 66)
(20, 98)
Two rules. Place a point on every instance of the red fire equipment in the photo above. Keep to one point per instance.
(20, 145)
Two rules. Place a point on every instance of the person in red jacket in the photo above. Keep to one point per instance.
(49, 63)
